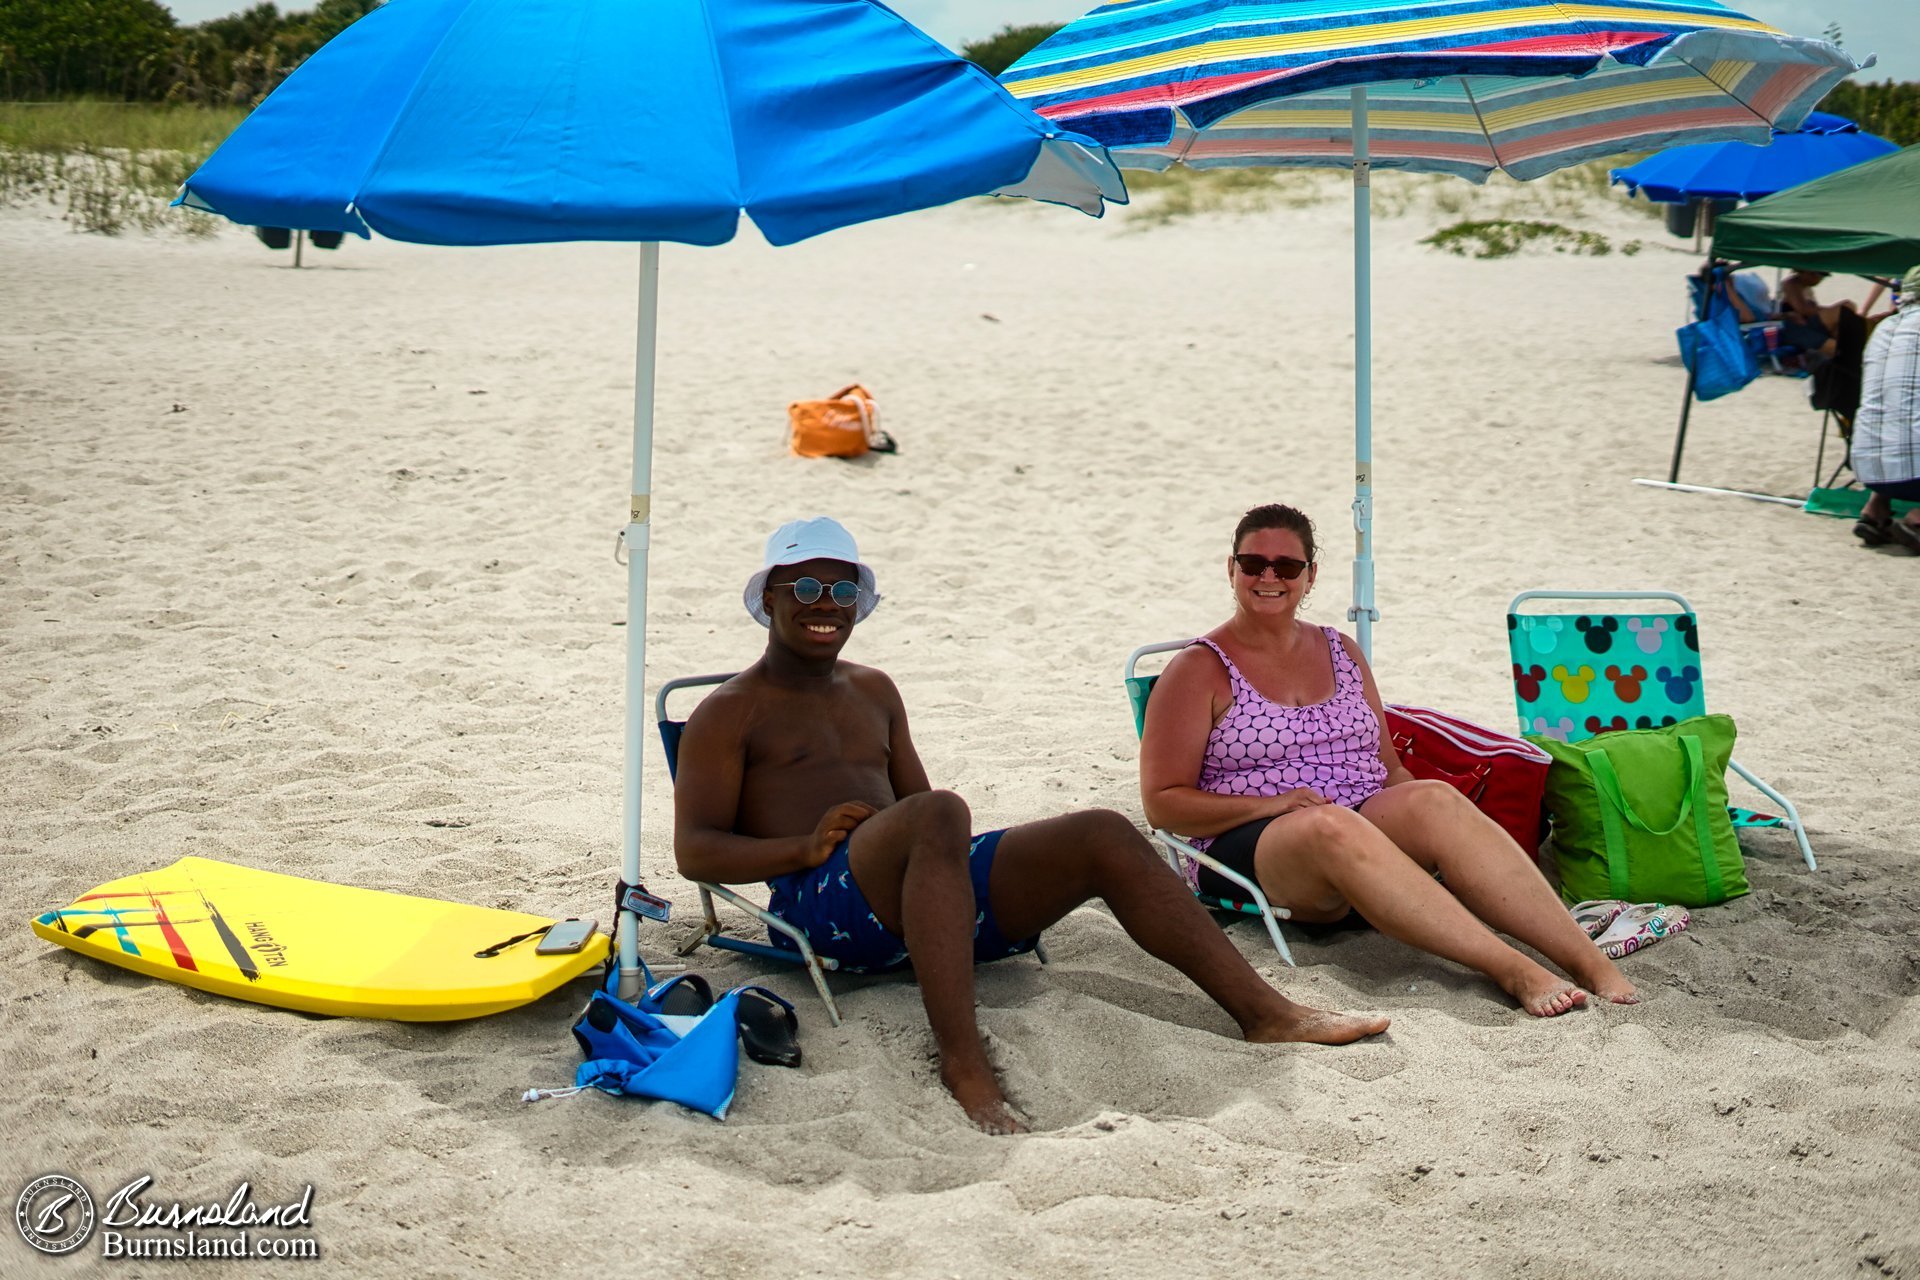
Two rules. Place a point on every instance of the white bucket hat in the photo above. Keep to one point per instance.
(798, 541)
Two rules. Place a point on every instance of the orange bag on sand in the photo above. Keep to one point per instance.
(844, 425)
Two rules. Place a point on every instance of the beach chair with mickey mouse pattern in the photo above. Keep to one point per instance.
(1180, 853)
(1578, 674)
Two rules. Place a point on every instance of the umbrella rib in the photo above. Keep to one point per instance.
(720, 81)
(1485, 131)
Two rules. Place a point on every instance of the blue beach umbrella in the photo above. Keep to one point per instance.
(472, 122)
(1464, 87)
(1823, 144)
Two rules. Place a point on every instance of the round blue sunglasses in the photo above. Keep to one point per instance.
(807, 590)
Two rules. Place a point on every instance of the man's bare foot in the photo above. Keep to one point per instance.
(1541, 993)
(985, 1105)
(1298, 1024)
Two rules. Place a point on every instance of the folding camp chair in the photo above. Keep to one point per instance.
(1173, 848)
(816, 965)
(712, 936)
(1578, 674)
(1763, 336)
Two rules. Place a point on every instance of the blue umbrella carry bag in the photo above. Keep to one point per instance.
(637, 1051)
(1716, 356)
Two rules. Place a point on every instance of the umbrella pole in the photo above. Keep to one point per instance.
(1362, 614)
(1680, 437)
(636, 537)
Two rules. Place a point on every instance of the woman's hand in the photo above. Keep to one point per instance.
(834, 826)
(1298, 798)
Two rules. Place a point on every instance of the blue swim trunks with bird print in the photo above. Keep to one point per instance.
(825, 904)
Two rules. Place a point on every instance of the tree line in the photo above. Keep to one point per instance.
(133, 51)
(1890, 108)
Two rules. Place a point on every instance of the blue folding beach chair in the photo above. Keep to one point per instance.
(1173, 848)
(712, 935)
(1762, 337)
(1578, 674)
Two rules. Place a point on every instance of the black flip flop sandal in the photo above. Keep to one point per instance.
(687, 996)
(768, 1027)
(1872, 532)
(1904, 534)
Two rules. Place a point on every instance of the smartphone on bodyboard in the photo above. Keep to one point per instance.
(565, 937)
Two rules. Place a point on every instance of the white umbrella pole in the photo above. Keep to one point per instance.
(639, 511)
(1362, 613)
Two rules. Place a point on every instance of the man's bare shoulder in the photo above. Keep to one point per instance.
(729, 705)
(870, 681)
(732, 706)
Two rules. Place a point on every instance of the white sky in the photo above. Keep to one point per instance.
(1890, 28)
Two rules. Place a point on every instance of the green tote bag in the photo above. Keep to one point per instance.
(1641, 814)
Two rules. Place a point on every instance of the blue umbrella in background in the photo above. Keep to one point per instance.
(1719, 175)
(1447, 86)
(1823, 144)
(473, 122)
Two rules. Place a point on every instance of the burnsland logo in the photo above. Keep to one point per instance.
(272, 952)
(56, 1215)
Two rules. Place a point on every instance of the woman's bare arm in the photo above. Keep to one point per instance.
(1397, 773)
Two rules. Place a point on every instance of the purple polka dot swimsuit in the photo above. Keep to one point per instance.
(1262, 748)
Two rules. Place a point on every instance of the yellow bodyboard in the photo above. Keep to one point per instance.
(305, 944)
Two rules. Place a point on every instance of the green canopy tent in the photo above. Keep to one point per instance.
(1862, 221)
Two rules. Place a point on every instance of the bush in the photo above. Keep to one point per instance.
(58, 48)
(1502, 238)
(1890, 109)
(1007, 46)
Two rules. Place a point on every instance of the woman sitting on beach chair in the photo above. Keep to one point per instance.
(1263, 740)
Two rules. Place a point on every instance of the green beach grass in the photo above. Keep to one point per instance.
(1163, 198)
(109, 166)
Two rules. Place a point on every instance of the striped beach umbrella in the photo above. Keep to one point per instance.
(1464, 87)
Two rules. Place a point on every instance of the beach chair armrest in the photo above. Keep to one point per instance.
(1270, 915)
(764, 916)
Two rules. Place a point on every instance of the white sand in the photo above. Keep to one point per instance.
(297, 562)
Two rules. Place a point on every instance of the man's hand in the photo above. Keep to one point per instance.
(1298, 798)
(834, 826)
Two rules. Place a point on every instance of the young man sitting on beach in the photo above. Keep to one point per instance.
(800, 772)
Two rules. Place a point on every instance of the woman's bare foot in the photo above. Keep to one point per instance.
(1296, 1023)
(1540, 993)
(981, 1099)
(1604, 979)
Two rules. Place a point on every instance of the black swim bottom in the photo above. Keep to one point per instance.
(1805, 336)
(1898, 490)
(1235, 849)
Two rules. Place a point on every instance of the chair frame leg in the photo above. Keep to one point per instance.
(1792, 814)
(712, 924)
(815, 965)
(1171, 846)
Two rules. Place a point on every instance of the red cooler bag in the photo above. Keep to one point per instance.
(1505, 776)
